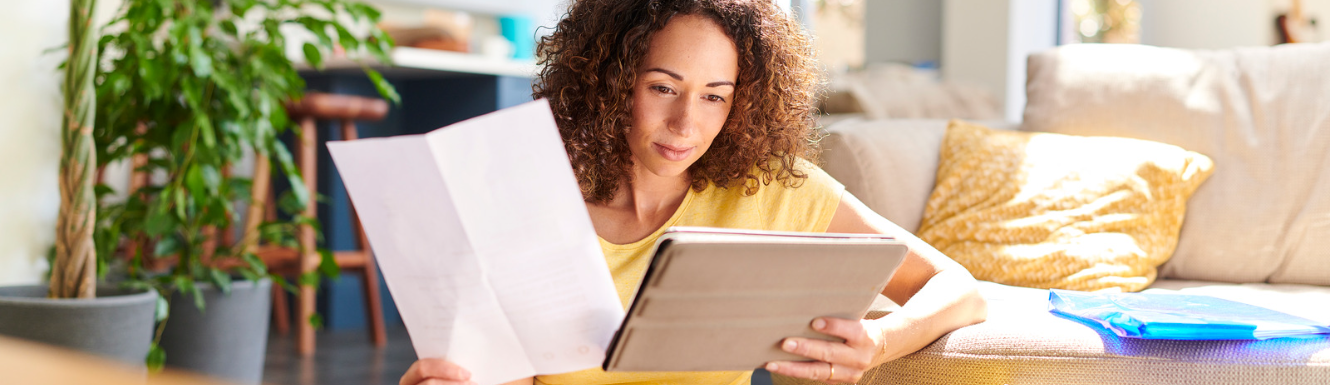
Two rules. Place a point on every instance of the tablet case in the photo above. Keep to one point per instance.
(722, 299)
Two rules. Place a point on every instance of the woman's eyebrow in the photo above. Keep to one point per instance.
(667, 72)
(676, 76)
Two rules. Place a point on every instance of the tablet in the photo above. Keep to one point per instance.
(723, 299)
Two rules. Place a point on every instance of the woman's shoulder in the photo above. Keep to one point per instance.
(804, 178)
(796, 204)
(805, 202)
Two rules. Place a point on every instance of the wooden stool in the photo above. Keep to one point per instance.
(284, 260)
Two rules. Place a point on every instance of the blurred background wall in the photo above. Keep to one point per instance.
(29, 141)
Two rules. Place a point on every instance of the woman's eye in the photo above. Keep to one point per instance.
(662, 89)
(715, 98)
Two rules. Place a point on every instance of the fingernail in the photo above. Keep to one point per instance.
(790, 345)
(771, 367)
(819, 324)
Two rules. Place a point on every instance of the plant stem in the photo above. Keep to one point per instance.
(74, 272)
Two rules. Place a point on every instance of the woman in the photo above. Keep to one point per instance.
(697, 113)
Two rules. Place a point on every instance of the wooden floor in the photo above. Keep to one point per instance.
(348, 358)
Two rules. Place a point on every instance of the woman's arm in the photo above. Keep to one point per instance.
(937, 296)
(438, 371)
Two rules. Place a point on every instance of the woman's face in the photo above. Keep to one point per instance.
(682, 96)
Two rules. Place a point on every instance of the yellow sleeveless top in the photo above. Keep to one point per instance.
(808, 208)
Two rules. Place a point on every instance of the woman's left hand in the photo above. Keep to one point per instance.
(834, 362)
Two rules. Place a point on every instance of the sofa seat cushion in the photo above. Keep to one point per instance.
(1022, 343)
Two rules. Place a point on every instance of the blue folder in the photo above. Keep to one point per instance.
(1179, 316)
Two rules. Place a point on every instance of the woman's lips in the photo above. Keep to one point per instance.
(673, 153)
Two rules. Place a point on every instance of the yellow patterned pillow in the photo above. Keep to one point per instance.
(1057, 211)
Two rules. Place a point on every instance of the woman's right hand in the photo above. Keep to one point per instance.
(436, 371)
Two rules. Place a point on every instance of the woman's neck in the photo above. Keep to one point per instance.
(650, 196)
(640, 207)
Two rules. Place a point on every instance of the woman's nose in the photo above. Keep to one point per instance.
(684, 119)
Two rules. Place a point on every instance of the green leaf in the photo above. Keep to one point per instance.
(194, 180)
(200, 61)
(249, 274)
(205, 124)
(316, 320)
(310, 279)
(181, 203)
(180, 138)
(328, 265)
(255, 263)
(156, 358)
(385, 89)
(292, 173)
(382, 40)
(119, 82)
(193, 94)
(284, 284)
(151, 73)
(366, 10)
(136, 285)
(163, 309)
(211, 178)
(319, 28)
(313, 56)
(198, 299)
(240, 7)
(221, 280)
(166, 246)
(380, 53)
(101, 267)
(102, 190)
(183, 284)
(159, 220)
(229, 27)
(345, 38)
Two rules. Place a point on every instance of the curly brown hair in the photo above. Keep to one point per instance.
(590, 65)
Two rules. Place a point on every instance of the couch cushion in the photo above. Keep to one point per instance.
(1259, 113)
(1059, 211)
(887, 164)
(1022, 343)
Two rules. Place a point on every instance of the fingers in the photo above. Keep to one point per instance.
(435, 371)
(828, 351)
(820, 371)
(852, 331)
(835, 361)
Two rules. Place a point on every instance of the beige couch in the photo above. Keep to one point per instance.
(1257, 231)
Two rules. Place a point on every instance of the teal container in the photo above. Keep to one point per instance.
(520, 31)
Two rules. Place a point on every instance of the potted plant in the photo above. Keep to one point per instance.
(74, 310)
(187, 89)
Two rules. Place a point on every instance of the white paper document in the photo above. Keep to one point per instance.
(485, 243)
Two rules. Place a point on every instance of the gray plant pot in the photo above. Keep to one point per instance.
(116, 325)
(227, 339)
